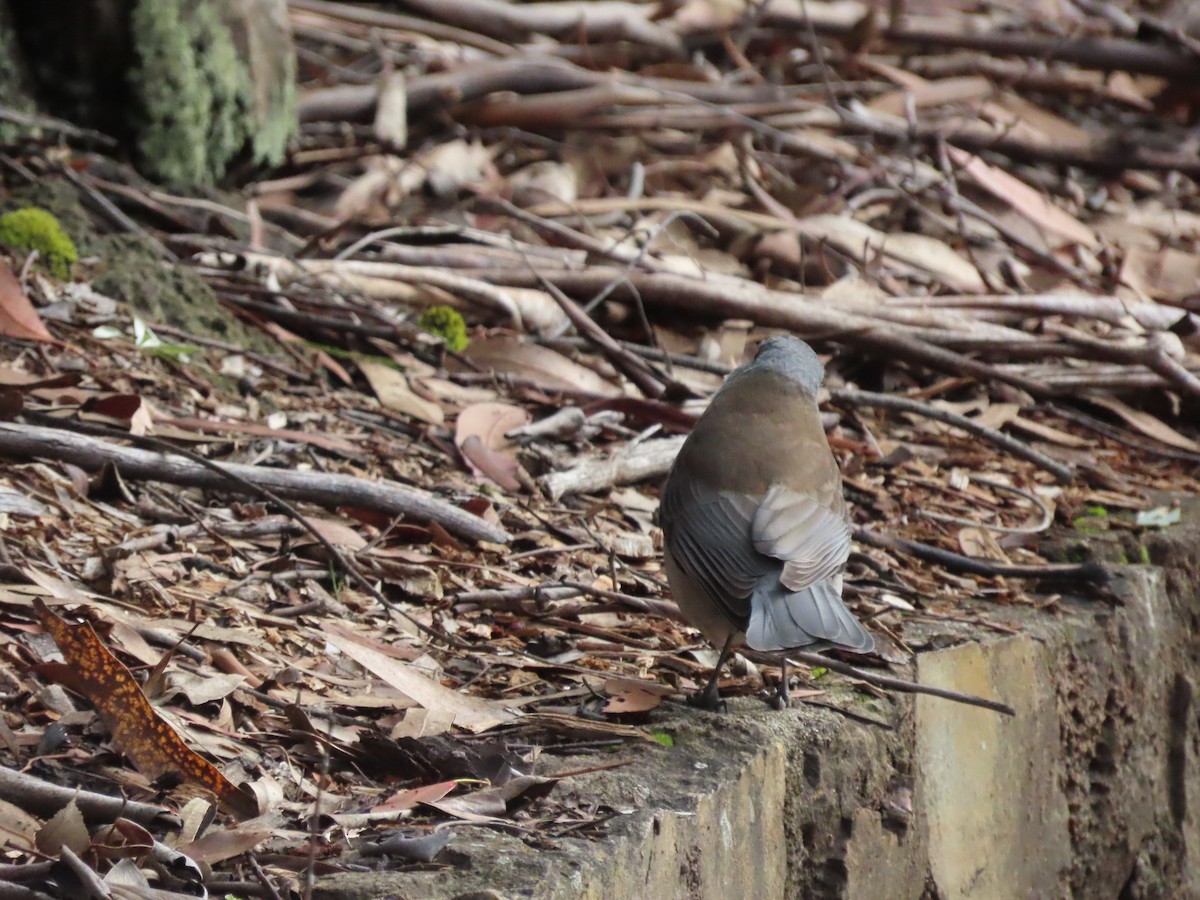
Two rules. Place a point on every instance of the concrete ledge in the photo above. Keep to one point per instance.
(1087, 792)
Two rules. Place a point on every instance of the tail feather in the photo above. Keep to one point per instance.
(814, 617)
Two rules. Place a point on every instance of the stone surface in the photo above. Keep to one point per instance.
(1090, 791)
(987, 784)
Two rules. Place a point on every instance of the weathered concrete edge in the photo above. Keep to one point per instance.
(1084, 793)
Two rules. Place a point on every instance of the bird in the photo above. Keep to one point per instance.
(756, 531)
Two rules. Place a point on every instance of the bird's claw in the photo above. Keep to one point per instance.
(707, 699)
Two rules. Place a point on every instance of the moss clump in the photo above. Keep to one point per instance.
(202, 103)
(35, 229)
(447, 324)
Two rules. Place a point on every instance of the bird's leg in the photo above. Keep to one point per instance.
(782, 697)
(710, 697)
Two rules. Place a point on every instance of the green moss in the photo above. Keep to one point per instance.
(33, 228)
(447, 324)
(196, 95)
(178, 105)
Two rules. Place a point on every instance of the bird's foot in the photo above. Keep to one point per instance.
(709, 698)
(781, 700)
(782, 697)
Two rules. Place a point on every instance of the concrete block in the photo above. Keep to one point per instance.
(987, 785)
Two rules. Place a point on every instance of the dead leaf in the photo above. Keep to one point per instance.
(627, 695)
(933, 93)
(391, 387)
(337, 533)
(542, 366)
(129, 412)
(479, 435)
(494, 802)
(472, 713)
(65, 829)
(225, 843)
(980, 543)
(1032, 204)
(1163, 273)
(151, 743)
(1147, 424)
(18, 318)
(414, 796)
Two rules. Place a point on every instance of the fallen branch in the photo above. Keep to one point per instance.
(648, 459)
(329, 490)
(1089, 573)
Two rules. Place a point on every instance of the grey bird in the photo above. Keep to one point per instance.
(755, 526)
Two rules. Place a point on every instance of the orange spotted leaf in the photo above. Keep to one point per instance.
(150, 742)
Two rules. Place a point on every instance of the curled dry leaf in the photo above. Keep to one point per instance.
(480, 437)
(128, 411)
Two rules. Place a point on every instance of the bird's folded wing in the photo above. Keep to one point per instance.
(709, 539)
(812, 541)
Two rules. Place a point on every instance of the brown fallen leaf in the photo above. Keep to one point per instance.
(18, 318)
(1147, 424)
(1030, 203)
(391, 387)
(153, 746)
(626, 695)
(129, 412)
(479, 435)
(225, 843)
(410, 798)
(493, 802)
(472, 713)
(541, 366)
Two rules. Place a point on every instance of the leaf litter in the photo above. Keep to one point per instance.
(971, 226)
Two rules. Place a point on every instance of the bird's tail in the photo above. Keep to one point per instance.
(812, 618)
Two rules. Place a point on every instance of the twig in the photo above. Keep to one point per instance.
(59, 126)
(645, 460)
(1090, 572)
(897, 684)
(1118, 434)
(648, 381)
